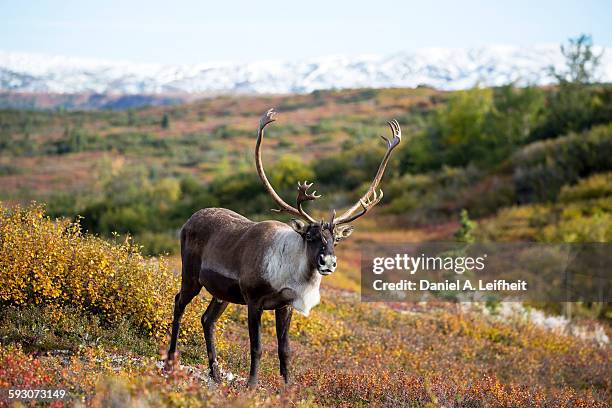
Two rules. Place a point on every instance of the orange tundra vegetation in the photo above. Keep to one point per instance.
(346, 353)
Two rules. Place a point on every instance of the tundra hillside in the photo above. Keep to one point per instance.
(83, 310)
(145, 172)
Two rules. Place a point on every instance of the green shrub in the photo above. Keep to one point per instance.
(465, 233)
(477, 126)
(351, 168)
(542, 168)
(431, 197)
(458, 130)
(576, 104)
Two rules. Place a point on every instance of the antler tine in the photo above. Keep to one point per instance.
(366, 204)
(396, 132)
(371, 198)
(267, 118)
(304, 195)
(332, 220)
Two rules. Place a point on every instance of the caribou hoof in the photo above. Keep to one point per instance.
(215, 374)
(170, 364)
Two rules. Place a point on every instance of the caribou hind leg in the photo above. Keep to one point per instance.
(214, 310)
(181, 300)
(283, 321)
(190, 287)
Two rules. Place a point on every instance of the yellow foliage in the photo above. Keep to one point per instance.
(52, 262)
(596, 186)
(575, 221)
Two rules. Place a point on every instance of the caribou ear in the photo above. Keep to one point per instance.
(343, 231)
(299, 226)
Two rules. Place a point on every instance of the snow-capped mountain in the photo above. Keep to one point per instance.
(436, 67)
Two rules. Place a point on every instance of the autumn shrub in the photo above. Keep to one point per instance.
(583, 214)
(403, 389)
(21, 370)
(52, 263)
(581, 221)
(596, 186)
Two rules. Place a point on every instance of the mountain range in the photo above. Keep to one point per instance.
(441, 68)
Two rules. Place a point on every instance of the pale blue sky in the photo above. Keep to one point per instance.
(200, 31)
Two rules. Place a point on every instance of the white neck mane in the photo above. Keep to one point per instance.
(286, 266)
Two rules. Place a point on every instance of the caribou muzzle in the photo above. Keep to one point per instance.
(326, 264)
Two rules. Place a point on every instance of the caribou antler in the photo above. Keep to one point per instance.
(366, 202)
(303, 194)
(371, 197)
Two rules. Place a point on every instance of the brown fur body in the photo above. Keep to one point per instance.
(223, 251)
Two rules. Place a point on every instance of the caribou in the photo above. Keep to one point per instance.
(267, 265)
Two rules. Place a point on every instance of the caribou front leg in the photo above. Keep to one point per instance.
(255, 311)
(283, 321)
